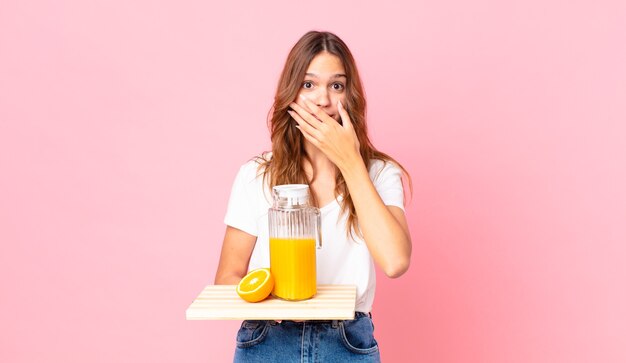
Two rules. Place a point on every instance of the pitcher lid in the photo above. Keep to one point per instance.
(292, 190)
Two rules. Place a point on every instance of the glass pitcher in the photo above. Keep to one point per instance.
(295, 230)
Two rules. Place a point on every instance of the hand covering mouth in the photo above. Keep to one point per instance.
(331, 116)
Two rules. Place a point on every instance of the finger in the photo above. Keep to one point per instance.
(316, 110)
(302, 124)
(305, 115)
(347, 123)
(309, 137)
(345, 117)
(301, 103)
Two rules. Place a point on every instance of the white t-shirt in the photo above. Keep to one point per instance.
(341, 260)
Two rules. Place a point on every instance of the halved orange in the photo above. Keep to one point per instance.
(256, 285)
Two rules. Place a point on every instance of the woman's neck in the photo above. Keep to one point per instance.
(318, 161)
(321, 173)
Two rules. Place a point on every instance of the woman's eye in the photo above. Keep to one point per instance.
(337, 86)
(307, 85)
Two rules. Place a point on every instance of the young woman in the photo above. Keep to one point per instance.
(319, 137)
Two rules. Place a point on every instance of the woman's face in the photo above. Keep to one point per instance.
(324, 84)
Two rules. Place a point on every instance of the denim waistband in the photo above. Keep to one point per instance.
(357, 315)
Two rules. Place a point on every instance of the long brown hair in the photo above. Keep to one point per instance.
(286, 165)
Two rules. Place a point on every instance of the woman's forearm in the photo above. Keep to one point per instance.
(386, 235)
(230, 279)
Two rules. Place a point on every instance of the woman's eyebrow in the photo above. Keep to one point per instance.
(338, 75)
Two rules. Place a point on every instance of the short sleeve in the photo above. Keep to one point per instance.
(387, 179)
(243, 202)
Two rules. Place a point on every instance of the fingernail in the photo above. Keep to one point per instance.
(304, 98)
(339, 105)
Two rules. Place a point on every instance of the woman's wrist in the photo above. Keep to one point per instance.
(353, 169)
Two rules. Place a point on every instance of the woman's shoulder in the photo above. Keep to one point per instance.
(381, 166)
(255, 166)
(262, 158)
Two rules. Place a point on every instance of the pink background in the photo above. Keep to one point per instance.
(122, 124)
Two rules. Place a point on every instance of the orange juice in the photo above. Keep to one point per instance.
(292, 263)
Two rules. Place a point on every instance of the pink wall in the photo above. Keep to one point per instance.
(122, 124)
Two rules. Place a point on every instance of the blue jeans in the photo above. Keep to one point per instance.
(309, 341)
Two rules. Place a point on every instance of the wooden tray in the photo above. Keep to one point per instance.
(221, 302)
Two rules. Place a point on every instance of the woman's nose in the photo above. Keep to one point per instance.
(322, 98)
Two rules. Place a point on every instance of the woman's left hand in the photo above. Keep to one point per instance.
(337, 141)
